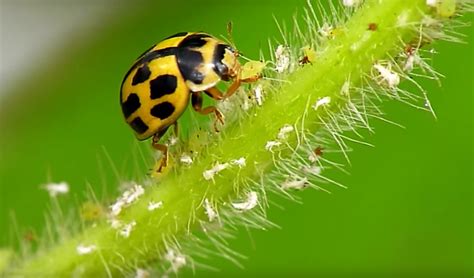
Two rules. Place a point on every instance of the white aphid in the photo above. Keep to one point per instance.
(245, 104)
(282, 55)
(142, 273)
(209, 210)
(312, 157)
(154, 205)
(326, 30)
(350, 3)
(55, 189)
(258, 92)
(250, 203)
(186, 159)
(209, 174)
(241, 162)
(128, 197)
(295, 184)
(411, 61)
(85, 249)
(127, 229)
(345, 88)
(172, 140)
(314, 170)
(284, 131)
(321, 102)
(115, 223)
(432, 3)
(390, 77)
(270, 144)
(175, 259)
(133, 194)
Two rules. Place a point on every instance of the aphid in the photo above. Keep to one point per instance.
(309, 55)
(30, 236)
(318, 151)
(91, 211)
(372, 27)
(157, 88)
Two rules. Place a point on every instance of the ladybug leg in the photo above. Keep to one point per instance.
(176, 129)
(196, 101)
(233, 87)
(237, 82)
(162, 148)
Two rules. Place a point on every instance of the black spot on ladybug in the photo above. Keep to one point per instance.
(162, 110)
(142, 75)
(130, 105)
(219, 67)
(180, 34)
(149, 56)
(162, 85)
(188, 64)
(138, 125)
(195, 40)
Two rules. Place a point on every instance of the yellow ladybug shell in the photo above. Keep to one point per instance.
(156, 90)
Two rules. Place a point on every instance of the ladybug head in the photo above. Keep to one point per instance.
(226, 61)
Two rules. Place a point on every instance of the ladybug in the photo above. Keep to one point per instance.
(156, 90)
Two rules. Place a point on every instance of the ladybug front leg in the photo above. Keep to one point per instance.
(237, 82)
(196, 101)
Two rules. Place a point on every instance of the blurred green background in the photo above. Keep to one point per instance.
(407, 211)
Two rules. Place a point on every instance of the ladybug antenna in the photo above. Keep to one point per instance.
(229, 34)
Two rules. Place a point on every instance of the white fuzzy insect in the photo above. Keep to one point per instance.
(250, 203)
(326, 30)
(128, 197)
(175, 259)
(284, 131)
(209, 174)
(295, 184)
(314, 170)
(345, 88)
(55, 189)
(258, 92)
(142, 273)
(85, 249)
(412, 59)
(127, 229)
(241, 162)
(350, 3)
(115, 223)
(282, 55)
(432, 3)
(173, 140)
(390, 77)
(154, 205)
(271, 144)
(209, 210)
(186, 159)
(321, 102)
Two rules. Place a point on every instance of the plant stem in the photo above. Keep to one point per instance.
(348, 57)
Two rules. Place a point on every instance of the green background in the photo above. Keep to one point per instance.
(407, 211)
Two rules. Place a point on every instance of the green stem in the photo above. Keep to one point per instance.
(350, 54)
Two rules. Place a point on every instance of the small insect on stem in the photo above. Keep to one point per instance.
(309, 56)
(318, 151)
(372, 26)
